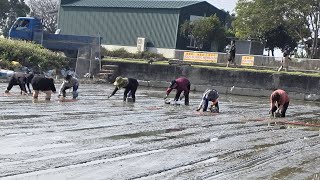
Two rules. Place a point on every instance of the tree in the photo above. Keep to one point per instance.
(204, 31)
(279, 38)
(4, 11)
(255, 18)
(305, 21)
(10, 10)
(46, 10)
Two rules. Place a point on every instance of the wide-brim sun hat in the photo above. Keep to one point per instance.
(121, 81)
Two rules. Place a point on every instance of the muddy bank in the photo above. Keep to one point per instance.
(237, 82)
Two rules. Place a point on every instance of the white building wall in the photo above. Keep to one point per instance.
(168, 53)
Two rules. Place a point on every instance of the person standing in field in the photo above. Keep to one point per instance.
(285, 59)
(232, 54)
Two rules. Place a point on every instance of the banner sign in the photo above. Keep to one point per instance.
(200, 57)
(247, 61)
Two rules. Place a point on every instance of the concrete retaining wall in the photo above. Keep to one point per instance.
(226, 81)
(267, 61)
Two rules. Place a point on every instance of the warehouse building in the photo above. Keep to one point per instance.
(135, 25)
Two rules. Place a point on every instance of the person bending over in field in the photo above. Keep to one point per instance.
(69, 82)
(20, 80)
(279, 102)
(43, 84)
(180, 84)
(209, 95)
(129, 84)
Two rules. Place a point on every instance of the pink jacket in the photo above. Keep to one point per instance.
(181, 84)
(284, 98)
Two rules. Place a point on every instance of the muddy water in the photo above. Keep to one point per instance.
(100, 138)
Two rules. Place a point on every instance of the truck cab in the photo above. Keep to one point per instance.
(31, 29)
(24, 28)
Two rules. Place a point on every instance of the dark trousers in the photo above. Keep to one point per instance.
(186, 95)
(74, 89)
(131, 91)
(283, 111)
(21, 85)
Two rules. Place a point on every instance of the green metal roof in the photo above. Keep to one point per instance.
(145, 4)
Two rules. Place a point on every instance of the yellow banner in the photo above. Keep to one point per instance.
(247, 61)
(200, 57)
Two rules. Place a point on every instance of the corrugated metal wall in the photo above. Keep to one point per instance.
(122, 26)
(249, 47)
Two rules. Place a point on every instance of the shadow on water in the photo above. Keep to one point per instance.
(262, 146)
(146, 133)
(12, 101)
(287, 171)
(163, 138)
(14, 117)
(201, 141)
(91, 128)
(81, 113)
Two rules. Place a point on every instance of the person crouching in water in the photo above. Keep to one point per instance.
(209, 95)
(69, 82)
(129, 84)
(18, 79)
(180, 84)
(43, 84)
(279, 102)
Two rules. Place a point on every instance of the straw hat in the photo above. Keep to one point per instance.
(121, 81)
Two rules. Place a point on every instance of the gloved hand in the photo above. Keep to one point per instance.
(6, 91)
(109, 96)
(198, 109)
(165, 97)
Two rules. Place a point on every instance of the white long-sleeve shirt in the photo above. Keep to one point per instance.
(68, 84)
(210, 95)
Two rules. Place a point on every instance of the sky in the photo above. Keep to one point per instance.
(227, 5)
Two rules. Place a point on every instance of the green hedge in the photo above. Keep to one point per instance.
(122, 53)
(29, 54)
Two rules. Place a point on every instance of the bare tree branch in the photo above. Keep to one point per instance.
(47, 10)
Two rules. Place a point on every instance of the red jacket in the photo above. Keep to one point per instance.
(284, 98)
(181, 84)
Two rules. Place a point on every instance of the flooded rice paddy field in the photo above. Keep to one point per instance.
(100, 138)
